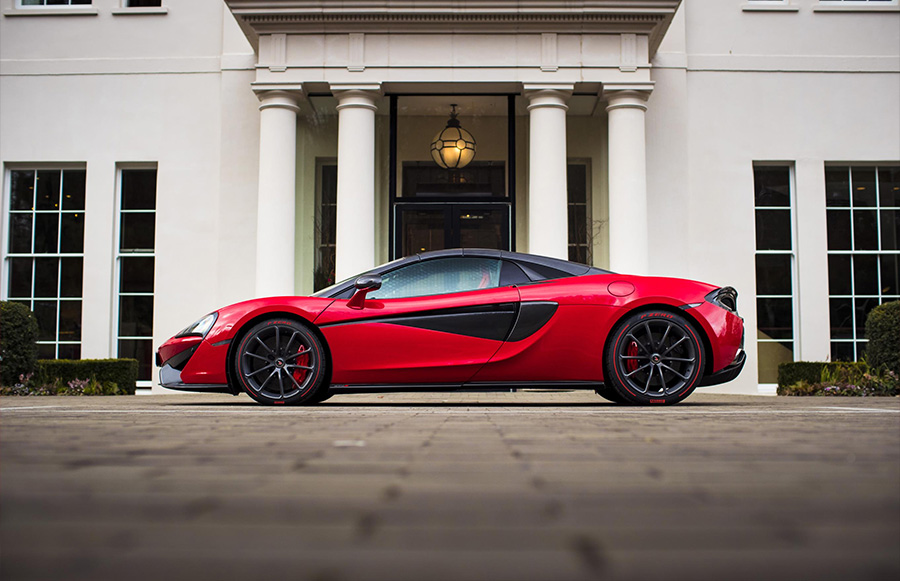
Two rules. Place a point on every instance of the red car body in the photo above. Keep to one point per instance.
(392, 343)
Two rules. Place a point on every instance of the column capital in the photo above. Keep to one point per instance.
(279, 96)
(626, 96)
(548, 95)
(356, 95)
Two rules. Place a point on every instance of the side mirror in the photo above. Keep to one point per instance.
(364, 285)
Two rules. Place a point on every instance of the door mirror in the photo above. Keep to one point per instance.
(364, 284)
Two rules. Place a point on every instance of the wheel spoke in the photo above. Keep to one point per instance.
(662, 378)
(291, 377)
(638, 369)
(295, 355)
(287, 346)
(634, 357)
(684, 377)
(263, 343)
(662, 342)
(281, 382)
(649, 336)
(278, 340)
(307, 367)
(691, 360)
(255, 356)
(675, 344)
(638, 343)
(263, 384)
(252, 373)
(649, 379)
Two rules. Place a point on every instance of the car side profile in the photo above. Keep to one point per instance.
(468, 319)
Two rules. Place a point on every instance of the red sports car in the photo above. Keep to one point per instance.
(468, 319)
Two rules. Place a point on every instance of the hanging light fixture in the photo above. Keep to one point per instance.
(453, 147)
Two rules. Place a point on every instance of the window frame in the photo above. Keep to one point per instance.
(433, 261)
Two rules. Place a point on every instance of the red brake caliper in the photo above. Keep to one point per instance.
(300, 374)
(632, 351)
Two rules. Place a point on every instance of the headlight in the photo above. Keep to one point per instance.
(725, 297)
(201, 327)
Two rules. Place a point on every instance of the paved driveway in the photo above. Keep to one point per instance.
(527, 485)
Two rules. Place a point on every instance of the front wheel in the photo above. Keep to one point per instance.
(280, 361)
(655, 357)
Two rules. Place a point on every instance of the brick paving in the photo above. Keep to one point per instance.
(527, 485)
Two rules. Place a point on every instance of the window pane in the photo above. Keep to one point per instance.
(135, 316)
(773, 274)
(578, 254)
(889, 187)
(46, 277)
(45, 313)
(70, 351)
(70, 320)
(139, 189)
(865, 235)
(577, 183)
(21, 190)
(890, 229)
(46, 233)
(71, 277)
(841, 318)
(328, 225)
(770, 356)
(890, 274)
(865, 274)
(837, 187)
(861, 349)
(772, 186)
(775, 319)
(48, 190)
(839, 274)
(20, 233)
(442, 276)
(142, 350)
(138, 231)
(838, 230)
(773, 230)
(577, 224)
(842, 351)
(73, 189)
(20, 277)
(863, 308)
(137, 275)
(864, 187)
(72, 238)
(47, 351)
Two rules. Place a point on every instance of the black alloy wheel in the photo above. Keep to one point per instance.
(656, 357)
(280, 361)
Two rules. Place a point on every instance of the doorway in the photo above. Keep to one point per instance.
(426, 226)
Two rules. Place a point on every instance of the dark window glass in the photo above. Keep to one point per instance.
(838, 230)
(889, 187)
(839, 274)
(890, 274)
(21, 190)
(20, 277)
(72, 237)
(48, 190)
(70, 320)
(863, 187)
(865, 233)
(137, 274)
(46, 351)
(841, 311)
(46, 233)
(138, 232)
(326, 227)
(837, 187)
(46, 277)
(577, 183)
(861, 349)
(577, 224)
(863, 308)
(142, 350)
(890, 229)
(773, 274)
(772, 186)
(441, 276)
(69, 351)
(135, 316)
(773, 230)
(842, 351)
(20, 233)
(578, 254)
(73, 189)
(329, 222)
(138, 189)
(144, 3)
(775, 318)
(865, 274)
(45, 313)
(71, 277)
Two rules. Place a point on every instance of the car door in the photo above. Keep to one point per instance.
(432, 322)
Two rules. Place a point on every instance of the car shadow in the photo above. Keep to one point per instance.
(335, 404)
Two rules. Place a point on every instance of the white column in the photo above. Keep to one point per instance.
(628, 235)
(548, 230)
(275, 239)
(355, 237)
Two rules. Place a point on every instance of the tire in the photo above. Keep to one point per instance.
(655, 358)
(280, 361)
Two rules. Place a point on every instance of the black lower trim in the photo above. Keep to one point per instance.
(726, 374)
(474, 386)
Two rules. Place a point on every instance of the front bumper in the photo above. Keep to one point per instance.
(726, 374)
(170, 378)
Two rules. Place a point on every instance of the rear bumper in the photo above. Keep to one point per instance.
(726, 374)
(170, 378)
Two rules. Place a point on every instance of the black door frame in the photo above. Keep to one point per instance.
(510, 201)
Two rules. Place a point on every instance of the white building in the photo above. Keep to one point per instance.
(251, 147)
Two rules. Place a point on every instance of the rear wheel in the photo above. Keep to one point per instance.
(280, 361)
(656, 357)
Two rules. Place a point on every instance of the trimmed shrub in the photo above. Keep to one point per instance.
(18, 334)
(883, 333)
(119, 376)
(837, 379)
(811, 371)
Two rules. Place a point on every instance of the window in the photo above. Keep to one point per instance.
(54, 2)
(143, 3)
(863, 209)
(438, 277)
(775, 310)
(136, 262)
(325, 224)
(580, 231)
(45, 254)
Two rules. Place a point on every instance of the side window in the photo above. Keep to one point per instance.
(440, 276)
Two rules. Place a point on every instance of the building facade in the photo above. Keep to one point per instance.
(161, 159)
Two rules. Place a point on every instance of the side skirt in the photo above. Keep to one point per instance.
(476, 386)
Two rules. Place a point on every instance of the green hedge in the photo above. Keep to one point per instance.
(120, 372)
(18, 350)
(883, 333)
(811, 371)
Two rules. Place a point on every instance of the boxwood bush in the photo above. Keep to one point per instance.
(117, 376)
(811, 371)
(18, 334)
(883, 333)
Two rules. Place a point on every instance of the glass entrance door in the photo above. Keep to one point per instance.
(422, 227)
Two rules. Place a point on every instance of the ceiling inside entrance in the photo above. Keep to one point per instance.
(466, 105)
